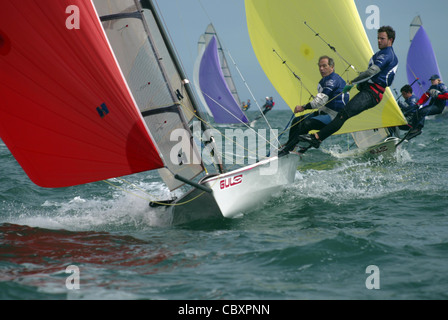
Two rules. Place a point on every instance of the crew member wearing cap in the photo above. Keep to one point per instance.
(438, 92)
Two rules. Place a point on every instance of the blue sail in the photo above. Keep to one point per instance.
(216, 93)
(421, 63)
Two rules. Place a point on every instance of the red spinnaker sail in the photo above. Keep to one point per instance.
(66, 112)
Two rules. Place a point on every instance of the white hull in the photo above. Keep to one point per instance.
(384, 148)
(244, 189)
(238, 191)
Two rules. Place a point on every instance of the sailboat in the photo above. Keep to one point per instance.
(421, 61)
(214, 83)
(292, 33)
(92, 90)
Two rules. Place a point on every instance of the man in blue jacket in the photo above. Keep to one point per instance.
(327, 103)
(409, 107)
(371, 85)
(438, 94)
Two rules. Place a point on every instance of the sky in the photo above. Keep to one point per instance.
(186, 20)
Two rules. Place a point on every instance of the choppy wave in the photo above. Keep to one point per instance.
(313, 240)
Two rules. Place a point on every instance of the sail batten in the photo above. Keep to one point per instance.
(279, 29)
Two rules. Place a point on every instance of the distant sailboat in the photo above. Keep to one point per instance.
(104, 100)
(300, 48)
(214, 83)
(421, 61)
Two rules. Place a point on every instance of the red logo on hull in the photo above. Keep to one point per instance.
(379, 150)
(230, 182)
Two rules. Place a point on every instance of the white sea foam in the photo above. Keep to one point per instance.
(356, 180)
(127, 207)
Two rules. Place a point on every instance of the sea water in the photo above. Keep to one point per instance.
(346, 229)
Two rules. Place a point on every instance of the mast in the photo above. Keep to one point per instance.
(148, 4)
(213, 81)
(414, 27)
(210, 32)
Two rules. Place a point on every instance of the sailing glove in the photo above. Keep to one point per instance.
(434, 93)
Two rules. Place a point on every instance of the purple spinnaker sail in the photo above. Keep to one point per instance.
(421, 62)
(215, 90)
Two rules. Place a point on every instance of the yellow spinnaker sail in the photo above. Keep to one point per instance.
(278, 33)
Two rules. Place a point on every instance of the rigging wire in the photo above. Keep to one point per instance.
(416, 79)
(250, 91)
(298, 78)
(238, 70)
(332, 48)
(302, 85)
(226, 137)
(199, 106)
(294, 74)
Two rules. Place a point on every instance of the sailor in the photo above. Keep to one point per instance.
(246, 105)
(269, 104)
(327, 103)
(409, 107)
(370, 83)
(438, 93)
